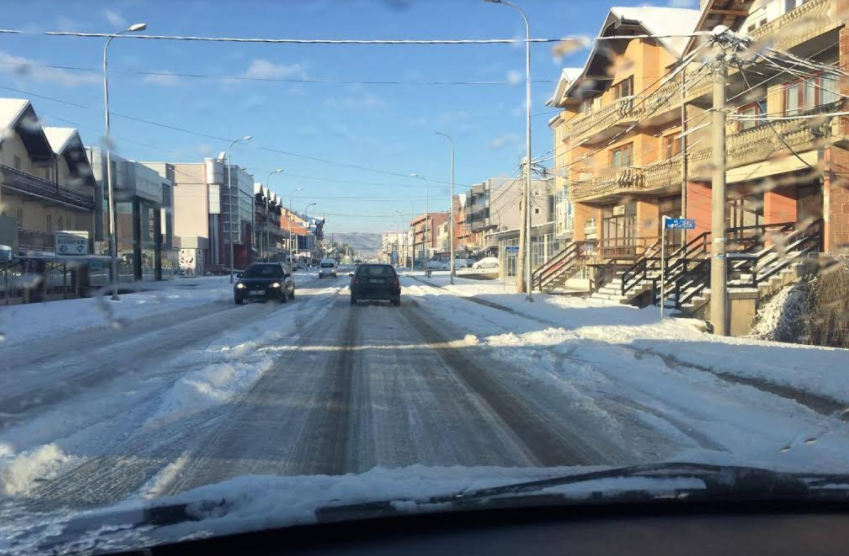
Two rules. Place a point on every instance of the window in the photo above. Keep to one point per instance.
(48, 224)
(48, 174)
(622, 157)
(753, 109)
(19, 215)
(789, 5)
(800, 96)
(16, 162)
(264, 271)
(60, 223)
(671, 146)
(624, 88)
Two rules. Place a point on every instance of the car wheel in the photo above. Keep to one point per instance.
(292, 295)
(396, 302)
(353, 300)
(284, 297)
(320, 276)
(239, 301)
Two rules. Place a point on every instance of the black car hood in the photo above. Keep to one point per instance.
(260, 281)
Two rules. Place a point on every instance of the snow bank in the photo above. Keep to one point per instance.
(20, 473)
(22, 323)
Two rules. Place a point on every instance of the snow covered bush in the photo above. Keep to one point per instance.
(826, 319)
(780, 317)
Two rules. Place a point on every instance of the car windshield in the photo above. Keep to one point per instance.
(264, 271)
(227, 230)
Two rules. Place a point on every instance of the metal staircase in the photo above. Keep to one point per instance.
(554, 272)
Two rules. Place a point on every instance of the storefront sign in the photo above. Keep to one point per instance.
(71, 243)
(619, 210)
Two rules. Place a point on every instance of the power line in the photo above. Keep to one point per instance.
(268, 79)
(223, 139)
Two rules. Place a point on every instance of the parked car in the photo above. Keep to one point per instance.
(263, 282)
(486, 263)
(463, 263)
(437, 264)
(375, 282)
(327, 267)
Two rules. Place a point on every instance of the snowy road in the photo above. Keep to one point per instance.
(181, 399)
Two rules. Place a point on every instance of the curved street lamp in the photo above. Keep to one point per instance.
(267, 230)
(526, 244)
(113, 239)
(451, 206)
(290, 222)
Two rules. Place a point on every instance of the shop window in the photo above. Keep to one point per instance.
(622, 157)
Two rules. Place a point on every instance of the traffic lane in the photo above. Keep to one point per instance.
(125, 463)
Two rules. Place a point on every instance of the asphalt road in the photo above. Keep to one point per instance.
(364, 386)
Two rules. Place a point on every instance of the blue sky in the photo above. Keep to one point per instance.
(390, 128)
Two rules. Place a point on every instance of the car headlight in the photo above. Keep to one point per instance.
(275, 285)
(240, 286)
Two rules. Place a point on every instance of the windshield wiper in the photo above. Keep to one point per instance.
(721, 482)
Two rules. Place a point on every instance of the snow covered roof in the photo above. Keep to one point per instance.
(60, 137)
(567, 76)
(661, 21)
(11, 110)
(18, 114)
(652, 20)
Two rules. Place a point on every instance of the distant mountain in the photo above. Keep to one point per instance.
(366, 243)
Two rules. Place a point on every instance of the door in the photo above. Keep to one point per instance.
(619, 229)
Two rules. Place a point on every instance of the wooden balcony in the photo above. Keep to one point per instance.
(28, 185)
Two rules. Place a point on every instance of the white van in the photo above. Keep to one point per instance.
(327, 267)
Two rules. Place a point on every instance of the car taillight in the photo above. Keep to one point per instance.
(395, 282)
(356, 281)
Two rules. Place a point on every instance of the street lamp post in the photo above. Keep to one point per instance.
(451, 206)
(230, 202)
(290, 222)
(268, 193)
(428, 231)
(307, 218)
(113, 239)
(526, 244)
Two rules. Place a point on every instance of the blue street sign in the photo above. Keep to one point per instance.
(679, 224)
(512, 249)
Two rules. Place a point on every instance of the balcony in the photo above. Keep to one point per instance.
(617, 113)
(622, 180)
(32, 186)
(661, 175)
(800, 25)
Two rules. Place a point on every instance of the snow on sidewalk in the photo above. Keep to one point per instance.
(816, 370)
(22, 323)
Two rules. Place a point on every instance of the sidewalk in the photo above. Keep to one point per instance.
(812, 376)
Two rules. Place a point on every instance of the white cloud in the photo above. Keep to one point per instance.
(683, 4)
(261, 68)
(30, 70)
(514, 77)
(164, 78)
(357, 97)
(503, 141)
(65, 23)
(203, 149)
(114, 18)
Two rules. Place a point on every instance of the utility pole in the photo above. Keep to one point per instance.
(718, 276)
(523, 237)
(451, 207)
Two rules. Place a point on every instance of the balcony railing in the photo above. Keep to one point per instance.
(799, 25)
(28, 184)
(618, 181)
(617, 112)
(746, 147)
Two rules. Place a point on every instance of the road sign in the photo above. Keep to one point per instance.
(512, 249)
(71, 243)
(679, 223)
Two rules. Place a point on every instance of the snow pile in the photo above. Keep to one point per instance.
(22, 323)
(20, 473)
(778, 318)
